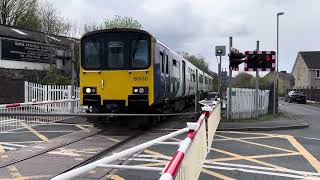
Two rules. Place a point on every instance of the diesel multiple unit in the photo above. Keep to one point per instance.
(128, 70)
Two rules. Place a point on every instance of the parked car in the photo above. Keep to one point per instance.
(296, 96)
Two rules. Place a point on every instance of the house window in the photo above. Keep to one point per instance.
(318, 74)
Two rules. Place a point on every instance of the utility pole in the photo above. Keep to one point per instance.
(257, 89)
(72, 77)
(230, 86)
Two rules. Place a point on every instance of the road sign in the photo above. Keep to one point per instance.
(220, 50)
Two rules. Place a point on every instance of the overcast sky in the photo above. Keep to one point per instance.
(197, 26)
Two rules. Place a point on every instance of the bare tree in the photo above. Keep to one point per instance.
(21, 13)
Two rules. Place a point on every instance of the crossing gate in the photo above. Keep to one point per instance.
(40, 92)
(185, 164)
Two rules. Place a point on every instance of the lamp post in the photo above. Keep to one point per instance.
(275, 84)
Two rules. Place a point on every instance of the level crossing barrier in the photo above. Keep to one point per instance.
(186, 162)
(14, 122)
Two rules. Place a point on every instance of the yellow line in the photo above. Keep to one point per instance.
(246, 138)
(157, 154)
(41, 136)
(216, 174)
(254, 157)
(176, 139)
(81, 127)
(257, 144)
(248, 159)
(116, 177)
(112, 139)
(2, 151)
(309, 157)
(250, 133)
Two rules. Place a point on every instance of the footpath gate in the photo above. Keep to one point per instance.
(186, 163)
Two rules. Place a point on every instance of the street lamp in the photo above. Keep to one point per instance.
(275, 84)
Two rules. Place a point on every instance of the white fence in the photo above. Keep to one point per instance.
(14, 122)
(39, 92)
(243, 103)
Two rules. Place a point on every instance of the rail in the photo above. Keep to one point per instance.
(18, 115)
(187, 161)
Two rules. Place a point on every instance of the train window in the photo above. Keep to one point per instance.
(167, 64)
(162, 62)
(115, 54)
(139, 53)
(201, 78)
(92, 54)
(205, 80)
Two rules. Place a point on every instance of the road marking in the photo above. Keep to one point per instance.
(246, 138)
(39, 135)
(116, 177)
(250, 133)
(304, 173)
(255, 156)
(11, 144)
(112, 139)
(312, 138)
(81, 127)
(153, 164)
(253, 171)
(2, 151)
(216, 174)
(157, 154)
(308, 156)
(248, 159)
(14, 172)
(257, 144)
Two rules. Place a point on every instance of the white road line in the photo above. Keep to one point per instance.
(144, 160)
(253, 171)
(10, 144)
(9, 148)
(312, 138)
(266, 168)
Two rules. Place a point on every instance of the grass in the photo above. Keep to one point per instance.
(264, 117)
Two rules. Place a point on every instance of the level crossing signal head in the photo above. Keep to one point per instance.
(235, 59)
(260, 61)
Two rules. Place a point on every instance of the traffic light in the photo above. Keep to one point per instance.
(260, 61)
(235, 58)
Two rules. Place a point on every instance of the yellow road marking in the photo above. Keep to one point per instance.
(257, 144)
(216, 174)
(248, 159)
(2, 151)
(249, 133)
(14, 172)
(41, 136)
(154, 164)
(176, 139)
(116, 177)
(81, 127)
(157, 154)
(246, 138)
(255, 157)
(308, 156)
(112, 139)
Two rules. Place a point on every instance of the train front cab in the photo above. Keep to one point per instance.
(116, 72)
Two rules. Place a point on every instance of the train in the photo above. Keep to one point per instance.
(130, 71)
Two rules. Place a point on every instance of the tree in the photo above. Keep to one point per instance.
(20, 13)
(55, 77)
(115, 22)
(243, 80)
(51, 22)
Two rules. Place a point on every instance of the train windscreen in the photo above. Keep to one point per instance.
(116, 51)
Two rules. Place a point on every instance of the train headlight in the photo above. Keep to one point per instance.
(89, 90)
(140, 90)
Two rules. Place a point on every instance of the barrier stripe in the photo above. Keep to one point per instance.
(172, 168)
(27, 104)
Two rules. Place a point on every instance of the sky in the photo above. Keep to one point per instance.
(197, 26)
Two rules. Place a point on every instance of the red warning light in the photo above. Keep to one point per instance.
(268, 58)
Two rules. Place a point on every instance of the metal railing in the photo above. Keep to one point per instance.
(14, 122)
(185, 164)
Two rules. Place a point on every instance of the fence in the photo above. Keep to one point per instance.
(12, 122)
(39, 92)
(243, 103)
(187, 161)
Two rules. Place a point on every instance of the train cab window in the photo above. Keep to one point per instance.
(92, 54)
(139, 53)
(167, 64)
(115, 54)
(162, 61)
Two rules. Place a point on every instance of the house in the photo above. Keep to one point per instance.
(285, 81)
(306, 70)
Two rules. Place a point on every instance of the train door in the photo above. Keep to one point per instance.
(167, 77)
(183, 78)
